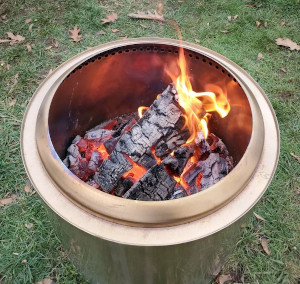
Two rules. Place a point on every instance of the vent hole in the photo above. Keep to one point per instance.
(120, 51)
(217, 67)
(106, 55)
(234, 79)
(210, 63)
(190, 55)
(197, 57)
(229, 75)
(223, 71)
(134, 49)
(203, 60)
(126, 50)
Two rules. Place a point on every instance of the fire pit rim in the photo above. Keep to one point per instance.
(149, 206)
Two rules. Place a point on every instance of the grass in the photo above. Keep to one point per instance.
(201, 20)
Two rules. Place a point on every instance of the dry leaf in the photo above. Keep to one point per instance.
(282, 23)
(46, 281)
(115, 30)
(15, 253)
(6, 201)
(287, 43)
(225, 32)
(144, 26)
(160, 8)
(27, 188)
(8, 66)
(28, 46)
(15, 38)
(235, 17)
(147, 16)
(283, 69)
(27, 21)
(4, 40)
(29, 226)
(259, 217)
(55, 43)
(258, 24)
(224, 278)
(30, 28)
(116, 4)
(100, 33)
(296, 157)
(197, 40)
(48, 47)
(259, 57)
(180, 1)
(266, 24)
(74, 34)
(110, 18)
(24, 260)
(264, 244)
(229, 18)
(13, 102)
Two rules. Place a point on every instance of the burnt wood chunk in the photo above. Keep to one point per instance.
(178, 192)
(98, 134)
(112, 170)
(111, 143)
(158, 121)
(162, 150)
(123, 186)
(155, 184)
(177, 163)
(202, 143)
(147, 160)
(95, 161)
(213, 169)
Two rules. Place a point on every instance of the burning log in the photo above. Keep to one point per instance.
(158, 121)
(156, 184)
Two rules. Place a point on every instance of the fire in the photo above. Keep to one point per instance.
(197, 105)
(141, 110)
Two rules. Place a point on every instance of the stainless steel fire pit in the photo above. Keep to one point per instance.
(115, 240)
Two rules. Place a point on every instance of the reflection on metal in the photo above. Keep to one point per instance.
(113, 240)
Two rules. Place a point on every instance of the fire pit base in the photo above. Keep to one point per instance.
(111, 251)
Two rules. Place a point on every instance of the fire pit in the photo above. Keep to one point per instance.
(113, 239)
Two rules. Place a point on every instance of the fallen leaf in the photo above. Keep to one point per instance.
(27, 188)
(15, 253)
(12, 102)
(229, 18)
(296, 157)
(283, 69)
(235, 17)
(144, 26)
(8, 66)
(115, 30)
(180, 1)
(28, 46)
(264, 244)
(15, 38)
(259, 217)
(287, 43)
(160, 8)
(46, 281)
(4, 40)
(6, 201)
(100, 33)
(110, 18)
(74, 34)
(55, 43)
(30, 28)
(266, 24)
(225, 32)
(197, 40)
(224, 278)
(258, 24)
(29, 226)
(116, 4)
(282, 23)
(259, 57)
(48, 47)
(27, 21)
(24, 260)
(147, 16)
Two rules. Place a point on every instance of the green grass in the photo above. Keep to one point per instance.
(202, 20)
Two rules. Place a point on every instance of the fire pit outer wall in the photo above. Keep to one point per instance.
(112, 240)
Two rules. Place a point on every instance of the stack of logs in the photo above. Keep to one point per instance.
(148, 158)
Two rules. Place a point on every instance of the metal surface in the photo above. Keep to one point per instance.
(120, 82)
(109, 252)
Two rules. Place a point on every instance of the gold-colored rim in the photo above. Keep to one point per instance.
(141, 213)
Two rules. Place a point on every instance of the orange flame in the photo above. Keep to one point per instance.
(197, 105)
(141, 110)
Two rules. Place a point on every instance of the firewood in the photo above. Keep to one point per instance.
(158, 121)
(178, 192)
(156, 184)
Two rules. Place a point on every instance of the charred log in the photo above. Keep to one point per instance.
(156, 184)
